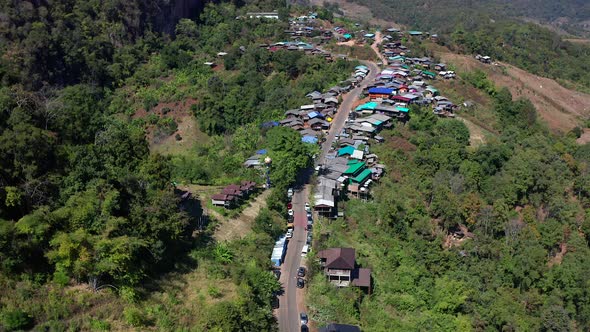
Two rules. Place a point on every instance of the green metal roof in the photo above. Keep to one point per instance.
(429, 73)
(345, 150)
(353, 169)
(362, 177)
(367, 106)
(414, 32)
(403, 109)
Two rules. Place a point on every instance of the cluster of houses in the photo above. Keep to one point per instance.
(234, 194)
(405, 81)
(306, 26)
(313, 120)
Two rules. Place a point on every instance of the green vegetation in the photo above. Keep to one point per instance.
(491, 28)
(91, 226)
(492, 238)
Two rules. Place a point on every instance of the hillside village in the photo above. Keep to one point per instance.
(349, 168)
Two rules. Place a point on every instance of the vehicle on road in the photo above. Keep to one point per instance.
(305, 250)
(290, 193)
(300, 283)
(301, 271)
(289, 233)
(308, 214)
(308, 228)
(289, 205)
(307, 206)
(304, 318)
(290, 213)
(277, 273)
(304, 328)
(275, 301)
(309, 220)
(309, 238)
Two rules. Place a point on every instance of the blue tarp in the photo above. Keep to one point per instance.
(309, 139)
(263, 151)
(314, 114)
(270, 124)
(381, 91)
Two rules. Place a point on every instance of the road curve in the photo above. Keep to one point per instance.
(288, 312)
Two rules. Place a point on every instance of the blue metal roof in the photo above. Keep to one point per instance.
(309, 139)
(383, 91)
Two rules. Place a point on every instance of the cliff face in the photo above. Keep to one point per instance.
(174, 10)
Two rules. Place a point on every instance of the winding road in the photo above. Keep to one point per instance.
(291, 302)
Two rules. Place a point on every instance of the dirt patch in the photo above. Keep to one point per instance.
(349, 43)
(559, 256)
(186, 127)
(189, 133)
(561, 108)
(375, 47)
(235, 228)
(578, 40)
(399, 143)
(585, 138)
(477, 135)
(355, 11)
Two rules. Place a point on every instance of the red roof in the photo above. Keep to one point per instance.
(222, 197)
(400, 98)
(339, 258)
(234, 192)
(361, 277)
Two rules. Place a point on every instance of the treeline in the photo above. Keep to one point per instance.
(529, 47)
(493, 28)
(463, 238)
(82, 199)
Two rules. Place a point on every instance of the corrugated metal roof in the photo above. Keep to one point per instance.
(362, 177)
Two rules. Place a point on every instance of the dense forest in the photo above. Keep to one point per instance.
(469, 238)
(88, 214)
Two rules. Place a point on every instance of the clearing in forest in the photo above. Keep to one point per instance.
(561, 108)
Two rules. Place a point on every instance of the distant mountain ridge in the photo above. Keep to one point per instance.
(571, 15)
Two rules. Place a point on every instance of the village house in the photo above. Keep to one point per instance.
(223, 200)
(339, 266)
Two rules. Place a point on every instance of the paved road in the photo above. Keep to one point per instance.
(291, 302)
(288, 314)
(345, 108)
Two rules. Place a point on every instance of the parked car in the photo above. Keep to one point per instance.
(301, 271)
(308, 227)
(300, 283)
(289, 233)
(309, 238)
(277, 273)
(289, 205)
(275, 302)
(305, 250)
(291, 213)
(304, 328)
(307, 206)
(309, 220)
(304, 318)
(308, 214)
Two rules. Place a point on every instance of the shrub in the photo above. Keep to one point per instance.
(133, 316)
(16, 319)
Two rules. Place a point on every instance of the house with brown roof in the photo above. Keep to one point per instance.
(339, 266)
(224, 200)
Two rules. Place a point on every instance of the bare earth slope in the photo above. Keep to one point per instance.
(561, 108)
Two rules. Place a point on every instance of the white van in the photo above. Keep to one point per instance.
(305, 250)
